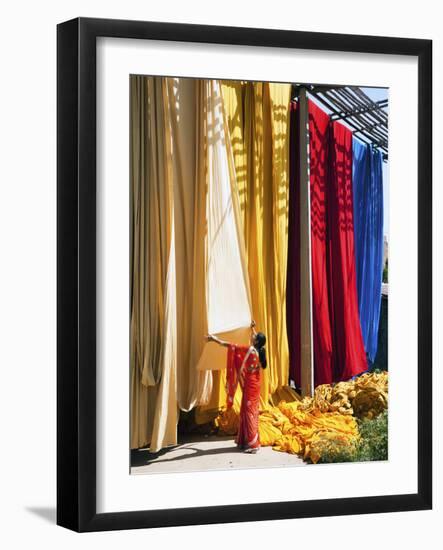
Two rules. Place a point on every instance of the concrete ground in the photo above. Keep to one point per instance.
(202, 453)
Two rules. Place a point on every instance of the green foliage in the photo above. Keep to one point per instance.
(373, 444)
(377, 370)
(385, 273)
(374, 438)
(336, 451)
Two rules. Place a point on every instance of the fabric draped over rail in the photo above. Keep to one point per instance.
(368, 227)
(337, 338)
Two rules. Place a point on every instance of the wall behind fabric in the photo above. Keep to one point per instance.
(28, 276)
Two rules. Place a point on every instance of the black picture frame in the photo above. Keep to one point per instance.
(76, 273)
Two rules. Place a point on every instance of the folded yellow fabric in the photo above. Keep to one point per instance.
(307, 428)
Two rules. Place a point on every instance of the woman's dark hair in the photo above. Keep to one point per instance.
(259, 344)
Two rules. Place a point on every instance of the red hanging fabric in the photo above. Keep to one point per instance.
(338, 344)
(293, 268)
(322, 331)
(349, 352)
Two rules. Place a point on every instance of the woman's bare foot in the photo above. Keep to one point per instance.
(252, 450)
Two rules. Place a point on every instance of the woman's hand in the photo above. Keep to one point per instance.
(252, 323)
(212, 338)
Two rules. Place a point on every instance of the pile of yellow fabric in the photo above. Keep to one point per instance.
(313, 425)
(371, 395)
(290, 429)
(364, 397)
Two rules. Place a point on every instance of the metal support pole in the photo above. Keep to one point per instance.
(306, 331)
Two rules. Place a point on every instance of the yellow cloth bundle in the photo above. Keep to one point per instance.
(309, 427)
(364, 397)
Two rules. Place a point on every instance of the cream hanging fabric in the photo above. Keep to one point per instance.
(187, 102)
(152, 358)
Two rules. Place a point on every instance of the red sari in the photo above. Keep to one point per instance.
(243, 366)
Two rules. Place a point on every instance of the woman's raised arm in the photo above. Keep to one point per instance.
(212, 338)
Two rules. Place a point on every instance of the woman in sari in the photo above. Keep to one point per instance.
(244, 364)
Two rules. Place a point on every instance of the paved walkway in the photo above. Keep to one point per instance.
(200, 453)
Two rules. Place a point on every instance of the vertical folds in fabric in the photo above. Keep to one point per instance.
(209, 240)
(318, 123)
(337, 337)
(227, 284)
(368, 228)
(187, 104)
(151, 221)
(227, 277)
(233, 102)
(188, 190)
(322, 330)
(293, 284)
(350, 357)
(266, 136)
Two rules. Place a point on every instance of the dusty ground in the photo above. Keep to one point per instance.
(200, 453)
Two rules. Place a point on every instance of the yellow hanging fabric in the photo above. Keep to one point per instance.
(266, 135)
(280, 98)
(233, 98)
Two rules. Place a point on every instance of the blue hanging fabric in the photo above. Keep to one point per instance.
(367, 176)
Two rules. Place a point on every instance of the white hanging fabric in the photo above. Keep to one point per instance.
(227, 286)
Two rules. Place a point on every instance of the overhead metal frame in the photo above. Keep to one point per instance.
(367, 119)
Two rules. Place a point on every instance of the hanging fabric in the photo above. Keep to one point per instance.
(152, 360)
(187, 104)
(349, 352)
(172, 158)
(368, 228)
(227, 284)
(233, 92)
(257, 116)
(266, 134)
(232, 103)
(319, 123)
(293, 302)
